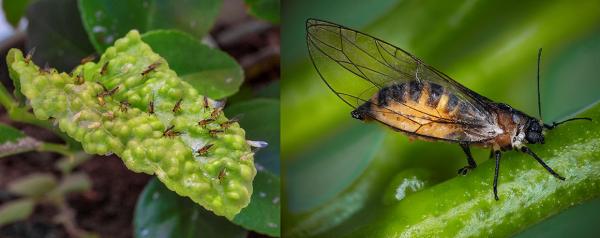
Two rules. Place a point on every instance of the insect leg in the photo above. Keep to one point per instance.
(550, 170)
(497, 154)
(491, 153)
(471, 162)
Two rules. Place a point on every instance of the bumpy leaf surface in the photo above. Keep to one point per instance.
(130, 103)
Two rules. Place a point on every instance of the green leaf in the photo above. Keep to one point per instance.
(74, 183)
(347, 153)
(107, 20)
(260, 117)
(211, 71)
(33, 185)
(16, 210)
(270, 91)
(9, 134)
(162, 213)
(56, 34)
(13, 141)
(132, 104)
(265, 9)
(263, 215)
(14, 10)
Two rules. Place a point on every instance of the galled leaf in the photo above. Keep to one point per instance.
(132, 104)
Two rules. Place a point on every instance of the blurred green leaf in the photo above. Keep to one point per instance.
(67, 164)
(14, 10)
(263, 214)
(15, 211)
(56, 33)
(570, 81)
(74, 183)
(338, 160)
(211, 71)
(13, 141)
(160, 212)
(260, 119)
(33, 185)
(271, 90)
(351, 12)
(108, 20)
(9, 134)
(265, 9)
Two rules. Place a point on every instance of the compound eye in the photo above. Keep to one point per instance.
(536, 127)
(534, 137)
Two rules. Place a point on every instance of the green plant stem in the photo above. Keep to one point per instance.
(57, 148)
(464, 206)
(6, 99)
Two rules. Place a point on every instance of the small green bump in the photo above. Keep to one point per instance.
(173, 172)
(142, 130)
(246, 172)
(233, 196)
(217, 202)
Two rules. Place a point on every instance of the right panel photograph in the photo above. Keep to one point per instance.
(440, 119)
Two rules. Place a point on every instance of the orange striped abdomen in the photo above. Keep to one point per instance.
(423, 108)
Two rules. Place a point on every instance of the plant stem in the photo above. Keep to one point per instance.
(464, 206)
(57, 148)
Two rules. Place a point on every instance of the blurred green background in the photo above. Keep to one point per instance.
(339, 173)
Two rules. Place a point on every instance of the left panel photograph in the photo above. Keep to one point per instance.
(147, 118)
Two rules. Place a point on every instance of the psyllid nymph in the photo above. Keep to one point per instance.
(400, 91)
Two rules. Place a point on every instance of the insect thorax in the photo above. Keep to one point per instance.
(522, 128)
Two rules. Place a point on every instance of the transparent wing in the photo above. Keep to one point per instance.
(372, 65)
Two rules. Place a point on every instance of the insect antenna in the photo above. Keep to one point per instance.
(554, 124)
(538, 83)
